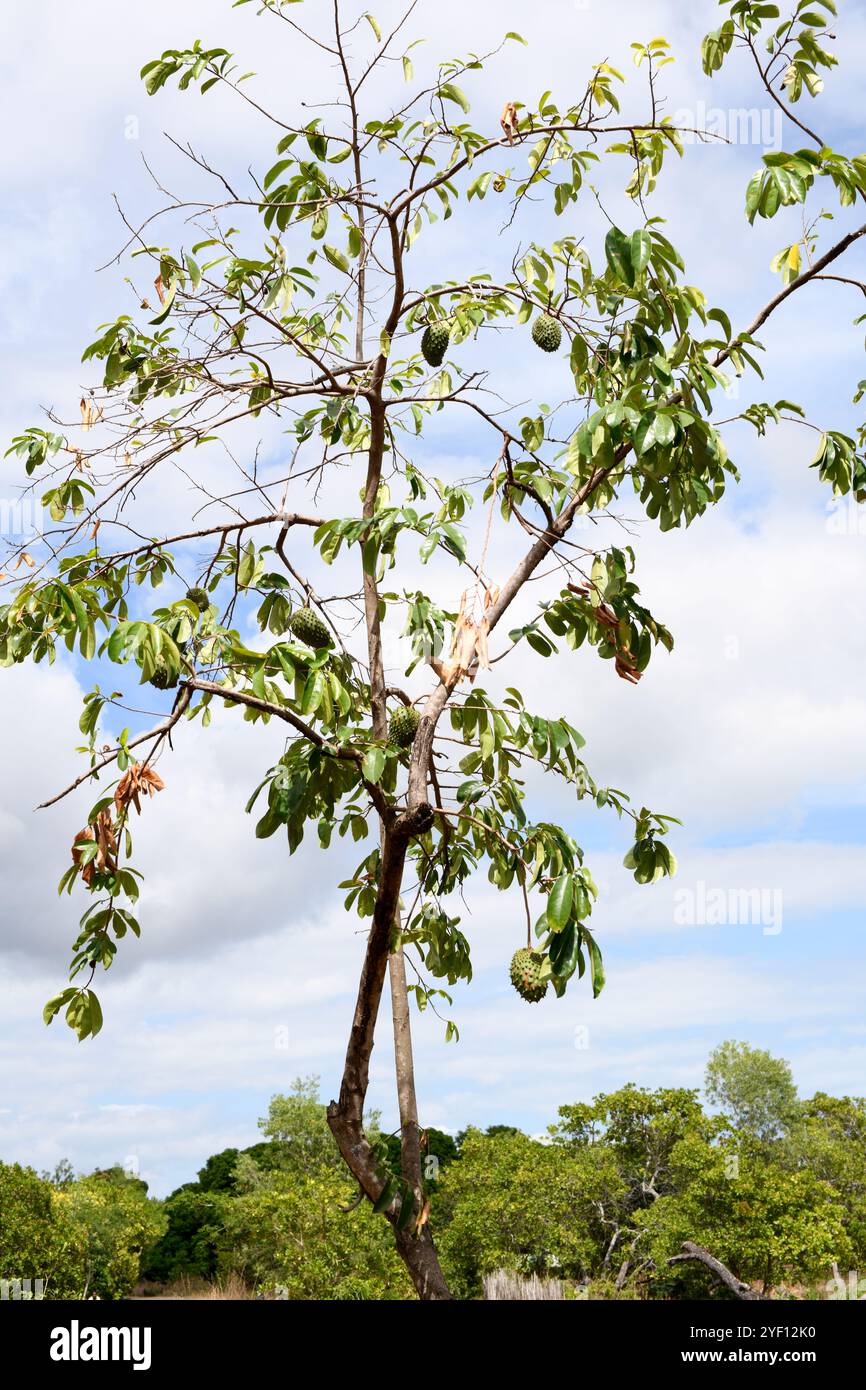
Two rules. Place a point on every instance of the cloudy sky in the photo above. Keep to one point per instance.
(751, 732)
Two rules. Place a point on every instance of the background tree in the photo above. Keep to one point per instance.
(304, 299)
(118, 1224)
(640, 1130)
(189, 1245)
(764, 1223)
(827, 1137)
(514, 1203)
(298, 1124)
(80, 1238)
(291, 1234)
(755, 1090)
(607, 1205)
(37, 1239)
(218, 1173)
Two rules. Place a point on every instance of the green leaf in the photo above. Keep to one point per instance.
(596, 964)
(383, 1201)
(166, 307)
(314, 692)
(456, 539)
(247, 566)
(716, 46)
(336, 258)
(373, 764)
(641, 250)
(95, 1014)
(407, 1210)
(559, 902)
(449, 91)
(53, 1007)
(564, 953)
(618, 250)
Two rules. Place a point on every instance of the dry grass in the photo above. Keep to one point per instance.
(231, 1289)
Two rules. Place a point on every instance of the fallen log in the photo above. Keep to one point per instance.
(736, 1286)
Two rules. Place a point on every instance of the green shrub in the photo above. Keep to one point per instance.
(764, 1223)
(117, 1225)
(293, 1236)
(37, 1240)
(194, 1227)
(514, 1204)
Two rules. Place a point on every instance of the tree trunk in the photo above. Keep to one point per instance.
(346, 1116)
(410, 1133)
(418, 1253)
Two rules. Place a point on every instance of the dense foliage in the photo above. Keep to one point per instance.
(81, 1238)
(603, 1202)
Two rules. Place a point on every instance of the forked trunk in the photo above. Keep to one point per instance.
(346, 1116)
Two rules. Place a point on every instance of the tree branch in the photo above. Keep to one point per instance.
(730, 1281)
(181, 705)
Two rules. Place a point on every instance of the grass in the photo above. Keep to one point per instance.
(231, 1289)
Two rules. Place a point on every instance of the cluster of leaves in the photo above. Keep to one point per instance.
(604, 612)
(794, 44)
(797, 58)
(773, 1186)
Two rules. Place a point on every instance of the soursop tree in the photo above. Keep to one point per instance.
(299, 302)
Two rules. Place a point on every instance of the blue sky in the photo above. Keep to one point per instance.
(751, 732)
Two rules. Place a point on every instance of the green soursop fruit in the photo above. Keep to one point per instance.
(526, 975)
(200, 597)
(309, 628)
(546, 333)
(434, 344)
(163, 678)
(403, 727)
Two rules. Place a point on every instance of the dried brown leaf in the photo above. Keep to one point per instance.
(137, 781)
(91, 413)
(509, 122)
(481, 647)
(605, 615)
(626, 669)
(83, 835)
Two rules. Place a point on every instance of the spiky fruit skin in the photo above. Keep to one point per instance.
(403, 727)
(310, 628)
(434, 344)
(546, 333)
(526, 975)
(200, 597)
(162, 677)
